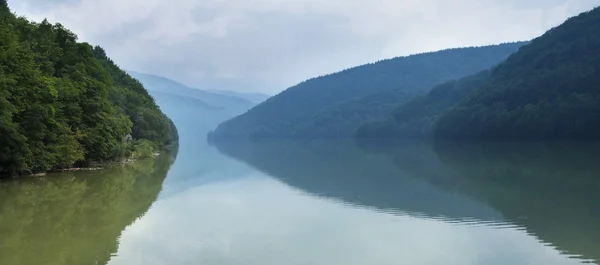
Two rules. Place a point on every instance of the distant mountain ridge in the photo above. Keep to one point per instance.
(336, 105)
(252, 97)
(194, 111)
(195, 117)
(155, 83)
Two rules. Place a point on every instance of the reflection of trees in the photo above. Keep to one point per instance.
(75, 218)
(551, 189)
(341, 170)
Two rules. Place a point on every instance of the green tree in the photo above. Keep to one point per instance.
(549, 89)
(64, 103)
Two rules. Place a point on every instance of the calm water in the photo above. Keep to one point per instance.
(316, 202)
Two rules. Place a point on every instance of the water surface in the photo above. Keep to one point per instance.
(316, 202)
(75, 218)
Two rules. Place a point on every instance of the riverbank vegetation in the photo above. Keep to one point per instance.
(64, 103)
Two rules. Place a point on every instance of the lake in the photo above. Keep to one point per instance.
(315, 202)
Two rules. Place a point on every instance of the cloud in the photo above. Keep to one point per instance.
(268, 45)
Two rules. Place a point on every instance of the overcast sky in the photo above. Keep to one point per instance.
(268, 45)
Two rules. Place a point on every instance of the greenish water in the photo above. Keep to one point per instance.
(75, 218)
(316, 202)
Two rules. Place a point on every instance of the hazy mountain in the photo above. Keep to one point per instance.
(335, 105)
(252, 97)
(195, 112)
(161, 84)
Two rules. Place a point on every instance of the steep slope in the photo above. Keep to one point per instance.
(549, 89)
(414, 118)
(161, 84)
(310, 105)
(64, 103)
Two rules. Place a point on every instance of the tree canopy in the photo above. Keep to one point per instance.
(549, 89)
(63, 102)
(414, 119)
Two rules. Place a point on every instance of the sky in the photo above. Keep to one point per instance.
(268, 45)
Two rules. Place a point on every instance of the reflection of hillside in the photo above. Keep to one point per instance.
(551, 189)
(341, 170)
(75, 218)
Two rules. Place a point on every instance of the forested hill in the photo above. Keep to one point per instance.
(414, 119)
(65, 103)
(336, 104)
(549, 89)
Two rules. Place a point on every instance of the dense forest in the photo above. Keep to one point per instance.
(414, 118)
(65, 103)
(549, 89)
(336, 105)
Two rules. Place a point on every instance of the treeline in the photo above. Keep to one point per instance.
(336, 105)
(549, 89)
(65, 103)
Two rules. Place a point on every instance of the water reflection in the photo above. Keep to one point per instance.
(259, 220)
(75, 218)
(341, 170)
(547, 190)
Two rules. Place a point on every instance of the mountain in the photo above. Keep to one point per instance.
(414, 118)
(65, 103)
(549, 89)
(252, 97)
(336, 104)
(194, 111)
(161, 84)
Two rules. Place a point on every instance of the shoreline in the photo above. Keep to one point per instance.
(93, 167)
(96, 167)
